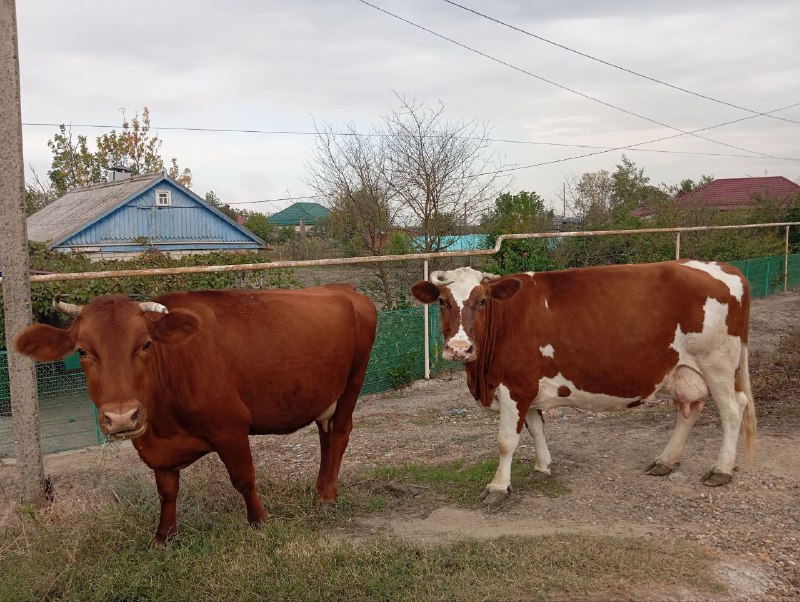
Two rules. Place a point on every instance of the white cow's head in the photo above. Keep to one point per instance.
(465, 296)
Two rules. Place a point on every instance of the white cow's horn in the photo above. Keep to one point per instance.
(440, 278)
(488, 276)
(66, 308)
(153, 306)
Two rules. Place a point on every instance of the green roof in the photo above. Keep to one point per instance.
(291, 216)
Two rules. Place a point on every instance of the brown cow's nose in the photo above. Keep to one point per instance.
(460, 351)
(123, 420)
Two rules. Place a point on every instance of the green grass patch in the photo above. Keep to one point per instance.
(462, 483)
(85, 553)
(106, 558)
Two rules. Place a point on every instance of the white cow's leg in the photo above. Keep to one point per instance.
(535, 424)
(507, 440)
(665, 463)
(731, 407)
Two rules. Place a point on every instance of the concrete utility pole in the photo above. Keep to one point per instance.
(14, 263)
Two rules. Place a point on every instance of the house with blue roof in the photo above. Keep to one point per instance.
(123, 218)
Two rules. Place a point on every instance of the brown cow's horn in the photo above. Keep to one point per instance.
(66, 308)
(440, 278)
(152, 306)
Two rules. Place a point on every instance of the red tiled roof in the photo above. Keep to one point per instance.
(733, 193)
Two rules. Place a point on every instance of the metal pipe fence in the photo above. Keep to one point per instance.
(408, 345)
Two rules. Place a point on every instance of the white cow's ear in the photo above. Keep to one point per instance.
(505, 288)
(425, 291)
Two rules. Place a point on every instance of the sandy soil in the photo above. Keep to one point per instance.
(750, 527)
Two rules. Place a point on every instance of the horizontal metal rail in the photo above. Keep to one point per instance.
(245, 267)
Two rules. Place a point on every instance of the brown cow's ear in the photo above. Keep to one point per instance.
(45, 343)
(505, 288)
(425, 291)
(174, 327)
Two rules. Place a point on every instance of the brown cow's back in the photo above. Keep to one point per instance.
(288, 354)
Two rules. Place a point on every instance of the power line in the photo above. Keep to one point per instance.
(615, 66)
(602, 149)
(633, 146)
(568, 89)
(379, 135)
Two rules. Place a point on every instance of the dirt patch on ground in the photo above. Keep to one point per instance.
(750, 527)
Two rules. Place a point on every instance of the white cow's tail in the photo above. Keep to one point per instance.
(749, 418)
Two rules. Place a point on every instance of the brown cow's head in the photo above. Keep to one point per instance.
(464, 297)
(117, 341)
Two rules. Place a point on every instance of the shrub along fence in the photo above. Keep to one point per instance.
(405, 351)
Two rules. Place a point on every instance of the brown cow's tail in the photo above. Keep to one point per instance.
(749, 418)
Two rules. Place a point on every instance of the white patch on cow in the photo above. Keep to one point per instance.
(546, 305)
(464, 281)
(507, 440)
(732, 281)
(461, 335)
(599, 402)
(713, 344)
(547, 350)
(531, 274)
(324, 419)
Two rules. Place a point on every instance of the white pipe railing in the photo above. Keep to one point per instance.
(426, 257)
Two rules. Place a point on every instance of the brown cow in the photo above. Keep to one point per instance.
(602, 338)
(196, 372)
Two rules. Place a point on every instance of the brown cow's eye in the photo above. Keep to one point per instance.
(81, 352)
(441, 301)
(146, 346)
(483, 303)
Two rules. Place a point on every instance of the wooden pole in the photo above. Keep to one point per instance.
(14, 254)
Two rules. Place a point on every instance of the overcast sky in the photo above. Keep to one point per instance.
(266, 65)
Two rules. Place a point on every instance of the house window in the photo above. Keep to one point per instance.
(163, 198)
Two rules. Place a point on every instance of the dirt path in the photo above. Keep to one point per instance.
(751, 526)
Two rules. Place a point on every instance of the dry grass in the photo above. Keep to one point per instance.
(776, 380)
(100, 551)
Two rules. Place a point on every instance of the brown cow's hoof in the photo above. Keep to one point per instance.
(714, 479)
(658, 470)
(491, 497)
(538, 475)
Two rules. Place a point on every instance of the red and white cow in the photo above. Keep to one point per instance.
(601, 338)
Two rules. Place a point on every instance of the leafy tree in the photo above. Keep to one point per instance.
(216, 202)
(73, 163)
(133, 147)
(259, 224)
(519, 213)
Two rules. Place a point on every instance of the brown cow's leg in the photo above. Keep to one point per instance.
(167, 482)
(235, 454)
(325, 459)
(336, 439)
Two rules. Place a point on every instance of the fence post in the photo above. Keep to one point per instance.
(786, 262)
(14, 251)
(766, 279)
(427, 326)
(678, 244)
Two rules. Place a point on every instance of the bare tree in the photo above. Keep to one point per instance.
(590, 198)
(443, 174)
(414, 170)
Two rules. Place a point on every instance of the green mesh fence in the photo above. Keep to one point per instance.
(68, 418)
(765, 274)
(66, 413)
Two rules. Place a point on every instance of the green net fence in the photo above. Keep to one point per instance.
(67, 414)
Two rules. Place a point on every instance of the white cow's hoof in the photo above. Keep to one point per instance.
(714, 479)
(491, 497)
(657, 469)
